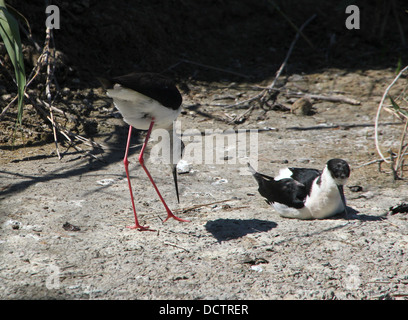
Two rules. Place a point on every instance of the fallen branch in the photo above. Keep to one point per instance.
(331, 98)
(340, 126)
(185, 210)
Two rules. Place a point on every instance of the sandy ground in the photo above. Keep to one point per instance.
(236, 246)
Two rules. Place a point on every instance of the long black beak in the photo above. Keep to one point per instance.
(343, 198)
(175, 182)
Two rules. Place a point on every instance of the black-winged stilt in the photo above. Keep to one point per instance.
(305, 193)
(147, 101)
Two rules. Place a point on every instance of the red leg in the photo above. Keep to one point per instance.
(126, 163)
(141, 160)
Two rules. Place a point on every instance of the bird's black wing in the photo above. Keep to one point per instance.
(305, 176)
(290, 192)
(286, 191)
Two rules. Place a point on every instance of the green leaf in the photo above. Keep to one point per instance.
(399, 66)
(10, 34)
(397, 108)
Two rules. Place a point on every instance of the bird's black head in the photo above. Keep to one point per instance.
(339, 169)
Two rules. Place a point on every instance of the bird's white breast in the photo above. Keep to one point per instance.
(324, 200)
(324, 203)
(138, 110)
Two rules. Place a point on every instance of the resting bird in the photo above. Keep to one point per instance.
(305, 193)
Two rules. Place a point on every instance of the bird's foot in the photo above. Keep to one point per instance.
(171, 215)
(140, 228)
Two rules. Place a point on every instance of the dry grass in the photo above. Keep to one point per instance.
(398, 106)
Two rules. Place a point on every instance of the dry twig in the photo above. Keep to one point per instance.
(262, 97)
(376, 161)
(175, 245)
(299, 94)
(401, 114)
(47, 59)
(50, 72)
(184, 210)
(331, 98)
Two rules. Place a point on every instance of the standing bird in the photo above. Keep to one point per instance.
(305, 193)
(147, 101)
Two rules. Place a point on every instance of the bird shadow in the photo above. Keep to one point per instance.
(229, 229)
(353, 214)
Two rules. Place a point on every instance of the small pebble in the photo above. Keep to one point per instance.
(69, 227)
(219, 181)
(355, 188)
(106, 182)
(183, 166)
(257, 268)
(302, 106)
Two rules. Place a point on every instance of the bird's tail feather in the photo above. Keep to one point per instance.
(258, 175)
(251, 169)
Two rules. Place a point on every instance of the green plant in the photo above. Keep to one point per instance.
(9, 32)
